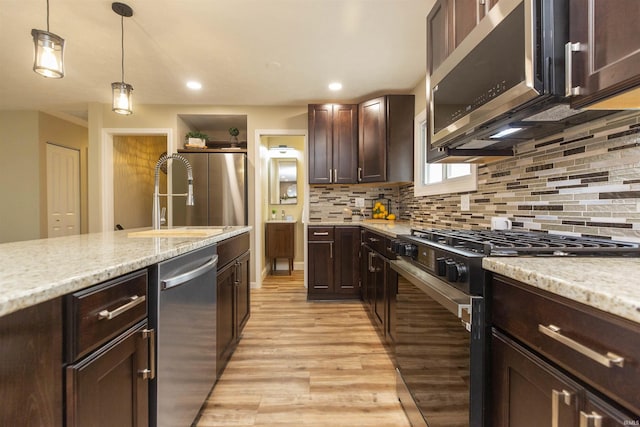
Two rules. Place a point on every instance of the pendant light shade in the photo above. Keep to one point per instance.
(121, 92)
(48, 52)
(121, 95)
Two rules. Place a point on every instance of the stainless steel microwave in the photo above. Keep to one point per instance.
(504, 83)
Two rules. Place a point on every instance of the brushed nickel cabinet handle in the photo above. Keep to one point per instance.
(359, 174)
(556, 397)
(569, 49)
(320, 233)
(330, 249)
(590, 420)
(133, 301)
(609, 360)
(149, 374)
(330, 176)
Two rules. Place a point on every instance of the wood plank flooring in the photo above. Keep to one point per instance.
(311, 364)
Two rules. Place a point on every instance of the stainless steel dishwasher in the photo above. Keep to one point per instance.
(183, 311)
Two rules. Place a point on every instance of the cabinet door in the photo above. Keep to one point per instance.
(597, 412)
(320, 274)
(609, 62)
(372, 144)
(368, 278)
(527, 392)
(347, 261)
(345, 144)
(31, 366)
(379, 306)
(320, 143)
(280, 240)
(466, 14)
(243, 293)
(107, 387)
(438, 35)
(225, 330)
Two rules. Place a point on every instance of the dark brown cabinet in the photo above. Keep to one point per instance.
(379, 282)
(449, 23)
(334, 260)
(385, 139)
(280, 242)
(108, 354)
(110, 386)
(558, 362)
(607, 60)
(31, 366)
(333, 143)
(234, 296)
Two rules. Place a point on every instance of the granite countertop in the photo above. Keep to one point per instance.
(35, 271)
(610, 284)
(388, 228)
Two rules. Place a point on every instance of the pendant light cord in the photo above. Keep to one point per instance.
(47, 16)
(122, 32)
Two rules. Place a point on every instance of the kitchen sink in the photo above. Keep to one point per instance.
(179, 232)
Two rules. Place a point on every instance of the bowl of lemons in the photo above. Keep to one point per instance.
(380, 212)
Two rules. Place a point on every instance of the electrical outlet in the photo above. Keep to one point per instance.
(359, 202)
(464, 202)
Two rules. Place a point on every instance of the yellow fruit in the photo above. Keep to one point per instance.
(382, 208)
(391, 217)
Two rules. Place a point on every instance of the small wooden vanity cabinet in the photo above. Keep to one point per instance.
(280, 243)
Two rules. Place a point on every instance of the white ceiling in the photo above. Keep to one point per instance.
(244, 52)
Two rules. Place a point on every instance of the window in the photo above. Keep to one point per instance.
(438, 178)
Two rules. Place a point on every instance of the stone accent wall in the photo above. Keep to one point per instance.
(583, 182)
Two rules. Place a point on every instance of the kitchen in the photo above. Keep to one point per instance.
(583, 184)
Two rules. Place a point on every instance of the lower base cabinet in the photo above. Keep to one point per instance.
(31, 366)
(379, 283)
(333, 263)
(234, 296)
(108, 354)
(559, 363)
(108, 388)
(529, 392)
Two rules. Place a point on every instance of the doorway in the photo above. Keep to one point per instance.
(296, 141)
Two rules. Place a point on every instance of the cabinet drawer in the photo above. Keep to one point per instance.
(230, 249)
(375, 241)
(99, 313)
(320, 233)
(584, 335)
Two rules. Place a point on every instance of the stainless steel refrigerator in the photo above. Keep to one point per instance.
(220, 189)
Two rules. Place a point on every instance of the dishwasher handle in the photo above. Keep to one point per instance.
(178, 280)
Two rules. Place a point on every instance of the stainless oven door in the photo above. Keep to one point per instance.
(439, 350)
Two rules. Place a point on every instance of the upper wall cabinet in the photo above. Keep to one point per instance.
(333, 143)
(448, 23)
(606, 53)
(385, 139)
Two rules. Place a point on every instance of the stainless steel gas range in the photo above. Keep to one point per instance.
(441, 325)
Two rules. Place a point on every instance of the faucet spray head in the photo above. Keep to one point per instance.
(190, 199)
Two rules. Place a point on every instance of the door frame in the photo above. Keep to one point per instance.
(262, 173)
(106, 177)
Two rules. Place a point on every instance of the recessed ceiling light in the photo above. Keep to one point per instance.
(335, 86)
(194, 85)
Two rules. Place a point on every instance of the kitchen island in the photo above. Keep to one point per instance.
(35, 271)
(75, 321)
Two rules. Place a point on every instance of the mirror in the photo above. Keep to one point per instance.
(283, 176)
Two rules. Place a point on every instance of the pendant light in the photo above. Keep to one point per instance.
(48, 53)
(121, 91)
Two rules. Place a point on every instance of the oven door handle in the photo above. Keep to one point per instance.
(453, 299)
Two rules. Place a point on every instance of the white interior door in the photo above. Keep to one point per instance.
(63, 191)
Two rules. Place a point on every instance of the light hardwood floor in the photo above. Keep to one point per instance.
(305, 364)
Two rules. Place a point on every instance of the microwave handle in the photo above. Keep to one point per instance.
(569, 49)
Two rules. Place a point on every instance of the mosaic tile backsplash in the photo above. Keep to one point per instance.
(585, 181)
